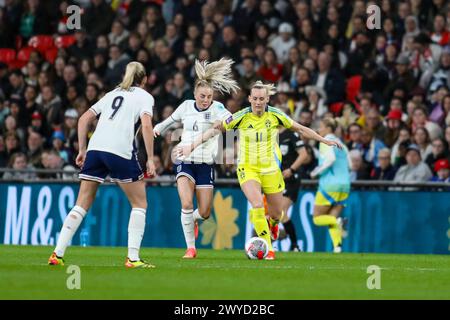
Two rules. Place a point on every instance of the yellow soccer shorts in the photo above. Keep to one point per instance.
(271, 182)
(324, 198)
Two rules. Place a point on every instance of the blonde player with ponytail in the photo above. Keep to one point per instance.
(111, 151)
(195, 173)
(260, 157)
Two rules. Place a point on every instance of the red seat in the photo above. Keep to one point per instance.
(41, 43)
(51, 55)
(64, 41)
(7, 55)
(24, 54)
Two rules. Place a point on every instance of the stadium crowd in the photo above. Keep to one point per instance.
(388, 88)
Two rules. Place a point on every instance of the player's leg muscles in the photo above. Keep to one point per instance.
(86, 194)
(252, 191)
(204, 201)
(186, 189)
(135, 193)
(73, 220)
(275, 205)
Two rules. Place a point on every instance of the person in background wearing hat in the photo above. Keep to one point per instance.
(283, 42)
(415, 170)
(69, 127)
(38, 125)
(442, 169)
(58, 140)
(393, 125)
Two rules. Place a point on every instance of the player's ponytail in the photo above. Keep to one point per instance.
(216, 75)
(269, 87)
(134, 74)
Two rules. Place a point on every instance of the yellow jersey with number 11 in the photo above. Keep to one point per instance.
(258, 137)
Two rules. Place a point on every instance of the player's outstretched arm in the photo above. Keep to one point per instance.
(83, 124)
(311, 134)
(147, 134)
(217, 128)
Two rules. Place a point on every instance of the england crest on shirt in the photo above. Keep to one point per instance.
(207, 116)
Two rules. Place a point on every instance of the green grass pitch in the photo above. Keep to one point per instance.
(228, 274)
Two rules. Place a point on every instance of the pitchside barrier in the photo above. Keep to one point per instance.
(383, 217)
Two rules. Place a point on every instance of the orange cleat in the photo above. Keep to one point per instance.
(274, 230)
(191, 253)
(270, 256)
(54, 260)
(196, 230)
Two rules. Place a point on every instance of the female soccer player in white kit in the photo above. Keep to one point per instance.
(112, 152)
(196, 172)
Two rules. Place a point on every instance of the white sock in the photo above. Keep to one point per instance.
(197, 216)
(187, 222)
(136, 228)
(70, 226)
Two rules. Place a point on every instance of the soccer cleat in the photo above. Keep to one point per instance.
(137, 264)
(274, 230)
(270, 256)
(54, 260)
(342, 223)
(337, 249)
(196, 230)
(191, 253)
(294, 248)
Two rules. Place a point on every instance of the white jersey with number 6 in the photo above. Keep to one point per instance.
(196, 122)
(120, 112)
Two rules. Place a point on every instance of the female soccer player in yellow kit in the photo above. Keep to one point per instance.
(260, 157)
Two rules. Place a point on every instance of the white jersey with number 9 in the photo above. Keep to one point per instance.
(120, 112)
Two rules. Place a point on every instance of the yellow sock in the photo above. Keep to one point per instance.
(333, 228)
(260, 223)
(275, 222)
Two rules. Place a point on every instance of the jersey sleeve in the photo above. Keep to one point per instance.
(233, 121)
(177, 115)
(282, 117)
(147, 105)
(221, 112)
(98, 107)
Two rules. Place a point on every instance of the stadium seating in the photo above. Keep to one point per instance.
(41, 43)
(64, 41)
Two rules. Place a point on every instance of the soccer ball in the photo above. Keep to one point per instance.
(256, 248)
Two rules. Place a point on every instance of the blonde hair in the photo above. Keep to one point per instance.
(269, 87)
(216, 75)
(134, 74)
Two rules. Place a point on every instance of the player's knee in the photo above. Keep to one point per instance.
(257, 204)
(188, 205)
(205, 214)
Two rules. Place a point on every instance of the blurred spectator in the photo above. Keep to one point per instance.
(385, 170)
(359, 170)
(54, 161)
(422, 139)
(98, 18)
(420, 120)
(271, 70)
(442, 169)
(439, 150)
(35, 144)
(332, 81)
(370, 147)
(283, 42)
(394, 124)
(415, 170)
(18, 161)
